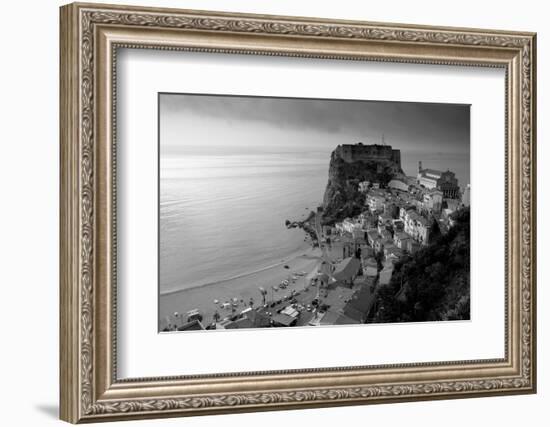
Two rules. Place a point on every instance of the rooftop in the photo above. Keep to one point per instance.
(194, 325)
(347, 269)
(431, 173)
(284, 319)
(345, 320)
(402, 235)
(386, 273)
(329, 318)
(242, 323)
(360, 304)
(372, 233)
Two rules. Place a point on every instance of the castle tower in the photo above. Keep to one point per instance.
(419, 167)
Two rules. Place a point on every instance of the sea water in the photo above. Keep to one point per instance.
(224, 216)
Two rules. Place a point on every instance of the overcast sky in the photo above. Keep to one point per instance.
(209, 124)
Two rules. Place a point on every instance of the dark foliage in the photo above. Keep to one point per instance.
(434, 283)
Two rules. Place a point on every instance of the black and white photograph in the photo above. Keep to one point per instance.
(291, 212)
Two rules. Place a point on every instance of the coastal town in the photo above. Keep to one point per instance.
(392, 218)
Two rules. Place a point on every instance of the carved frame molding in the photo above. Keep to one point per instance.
(89, 387)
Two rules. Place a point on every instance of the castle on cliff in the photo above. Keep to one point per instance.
(359, 152)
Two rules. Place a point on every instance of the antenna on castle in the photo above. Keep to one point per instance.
(383, 140)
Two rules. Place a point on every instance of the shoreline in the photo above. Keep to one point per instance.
(302, 253)
(243, 287)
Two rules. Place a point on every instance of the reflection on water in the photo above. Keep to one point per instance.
(222, 216)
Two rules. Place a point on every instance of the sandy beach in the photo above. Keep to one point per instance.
(242, 288)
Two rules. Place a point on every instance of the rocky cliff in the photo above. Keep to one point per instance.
(342, 197)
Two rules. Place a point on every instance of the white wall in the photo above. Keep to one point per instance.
(29, 170)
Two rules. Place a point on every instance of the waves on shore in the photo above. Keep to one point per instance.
(291, 258)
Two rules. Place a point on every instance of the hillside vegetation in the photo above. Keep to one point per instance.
(434, 283)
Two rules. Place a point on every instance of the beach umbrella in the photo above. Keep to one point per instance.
(264, 293)
(178, 316)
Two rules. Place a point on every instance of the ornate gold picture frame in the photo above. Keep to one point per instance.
(90, 37)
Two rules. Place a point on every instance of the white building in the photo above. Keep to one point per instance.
(400, 240)
(446, 181)
(417, 227)
(364, 186)
(432, 201)
(404, 211)
(375, 203)
(350, 226)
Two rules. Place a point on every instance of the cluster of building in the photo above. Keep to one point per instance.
(358, 253)
(399, 217)
(339, 294)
